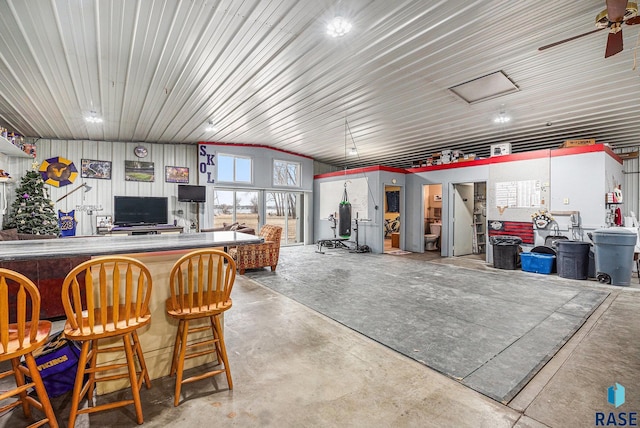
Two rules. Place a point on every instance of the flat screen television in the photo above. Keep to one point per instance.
(187, 193)
(140, 210)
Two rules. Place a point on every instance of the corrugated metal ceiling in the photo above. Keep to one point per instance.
(265, 72)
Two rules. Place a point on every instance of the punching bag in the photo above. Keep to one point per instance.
(344, 213)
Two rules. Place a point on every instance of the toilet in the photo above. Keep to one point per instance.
(431, 239)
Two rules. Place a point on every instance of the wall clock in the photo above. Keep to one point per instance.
(141, 151)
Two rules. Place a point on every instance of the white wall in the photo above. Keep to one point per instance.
(631, 185)
(262, 180)
(371, 230)
(414, 237)
(582, 181)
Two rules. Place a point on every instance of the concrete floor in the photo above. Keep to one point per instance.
(294, 367)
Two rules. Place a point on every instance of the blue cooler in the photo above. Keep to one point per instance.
(537, 262)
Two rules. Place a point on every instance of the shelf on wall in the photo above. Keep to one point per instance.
(11, 150)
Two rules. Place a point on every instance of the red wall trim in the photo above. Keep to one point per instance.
(476, 162)
(587, 149)
(259, 146)
(537, 154)
(362, 171)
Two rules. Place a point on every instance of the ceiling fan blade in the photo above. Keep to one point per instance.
(633, 21)
(568, 40)
(614, 44)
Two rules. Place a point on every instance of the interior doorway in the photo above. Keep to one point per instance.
(462, 219)
(469, 218)
(392, 218)
(432, 208)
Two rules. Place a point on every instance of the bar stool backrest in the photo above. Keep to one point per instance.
(202, 280)
(106, 294)
(18, 291)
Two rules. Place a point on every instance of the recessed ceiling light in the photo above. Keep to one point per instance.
(93, 118)
(353, 151)
(338, 27)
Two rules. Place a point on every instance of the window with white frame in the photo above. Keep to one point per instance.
(234, 169)
(286, 173)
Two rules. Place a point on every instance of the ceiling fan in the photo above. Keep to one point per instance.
(616, 13)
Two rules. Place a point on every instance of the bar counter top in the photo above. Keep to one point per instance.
(108, 245)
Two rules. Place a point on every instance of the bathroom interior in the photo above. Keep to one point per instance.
(432, 216)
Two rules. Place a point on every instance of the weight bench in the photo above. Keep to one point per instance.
(331, 243)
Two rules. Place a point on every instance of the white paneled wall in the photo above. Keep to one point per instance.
(631, 186)
(102, 191)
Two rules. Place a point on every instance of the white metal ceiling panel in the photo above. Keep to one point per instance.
(266, 72)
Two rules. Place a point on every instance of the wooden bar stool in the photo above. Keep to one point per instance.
(107, 298)
(21, 338)
(201, 283)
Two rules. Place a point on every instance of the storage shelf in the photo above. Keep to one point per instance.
(11, 150)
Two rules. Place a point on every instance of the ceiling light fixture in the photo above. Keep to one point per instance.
(93, 118)
(502, 118)
(210, 127)
(338, 27)
(353, 151)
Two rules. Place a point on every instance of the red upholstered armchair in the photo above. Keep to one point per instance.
(252, 256)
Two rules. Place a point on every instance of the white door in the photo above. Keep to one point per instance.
(463, 219)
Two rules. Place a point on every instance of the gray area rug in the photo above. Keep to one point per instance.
(491, 330)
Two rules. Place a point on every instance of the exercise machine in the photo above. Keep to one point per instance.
(359, 248)
(335, 242)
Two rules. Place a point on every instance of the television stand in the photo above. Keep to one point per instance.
(142, 230)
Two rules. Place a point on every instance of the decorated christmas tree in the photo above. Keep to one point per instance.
(32, 212)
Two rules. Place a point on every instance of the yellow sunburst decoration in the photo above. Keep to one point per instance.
(58, 171)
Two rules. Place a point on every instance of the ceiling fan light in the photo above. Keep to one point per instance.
(501, 119)
(338, 27)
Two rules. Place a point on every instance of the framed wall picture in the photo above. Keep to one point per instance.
(176, 174)
(96, 169)
(139, 171)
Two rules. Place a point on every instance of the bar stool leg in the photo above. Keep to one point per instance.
(43, 397)
(176, 349)
(15, 365)
(143, 365)
(183, 351)
(223, 350)
(77, 387)
(133, 377)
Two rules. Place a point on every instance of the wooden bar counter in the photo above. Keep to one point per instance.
(47, 262)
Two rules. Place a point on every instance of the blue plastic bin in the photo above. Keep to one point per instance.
(537, 262)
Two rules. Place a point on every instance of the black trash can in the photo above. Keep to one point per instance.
(573, 259)
(505, 251)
